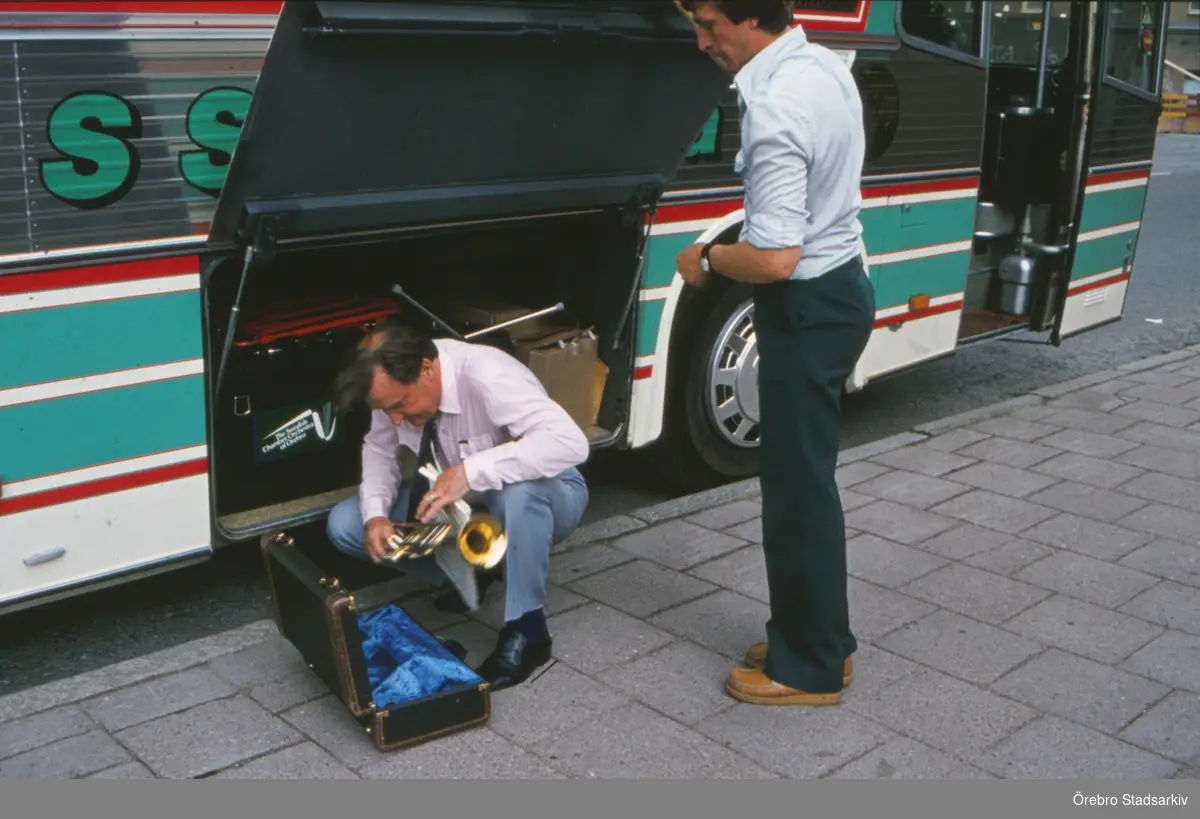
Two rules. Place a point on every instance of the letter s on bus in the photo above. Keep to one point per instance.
(214, 123)
(92, 131)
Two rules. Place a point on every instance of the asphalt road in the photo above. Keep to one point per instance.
(104, 627)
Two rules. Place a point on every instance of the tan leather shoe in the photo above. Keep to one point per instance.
(752, 685)
(756, 657)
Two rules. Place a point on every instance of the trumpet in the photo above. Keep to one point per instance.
(480, 537)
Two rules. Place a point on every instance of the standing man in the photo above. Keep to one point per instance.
(503, 444)
(800, 246)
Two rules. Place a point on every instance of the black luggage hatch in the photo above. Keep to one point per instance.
(377, 116)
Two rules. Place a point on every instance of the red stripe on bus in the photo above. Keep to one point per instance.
(157, 7)
(99, 274)
(1083, 288)
(969, 183)
(1120, 176)
(102, 486)
(641, 373)
(912, 315)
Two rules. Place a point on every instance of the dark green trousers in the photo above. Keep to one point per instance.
(810, 334)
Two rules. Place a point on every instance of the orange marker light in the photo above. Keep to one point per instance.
(918, 302)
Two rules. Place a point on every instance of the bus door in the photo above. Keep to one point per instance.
(1040, 61)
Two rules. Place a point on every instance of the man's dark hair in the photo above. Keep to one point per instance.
(398, 348)
(774, 16)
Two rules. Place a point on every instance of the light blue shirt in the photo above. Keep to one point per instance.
(802, 153)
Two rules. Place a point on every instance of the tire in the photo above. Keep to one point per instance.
(707, 447)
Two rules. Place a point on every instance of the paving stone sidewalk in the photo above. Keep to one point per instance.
(1025, 589)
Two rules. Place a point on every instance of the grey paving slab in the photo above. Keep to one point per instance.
(956, 439)
(1172, 659)
(1165, 437)
(288, 692)
(798, 743)
(1098, 472)
(491, 610)
(1003, 479)
(1009, 451)
(327, 723)
(71, 758)
(875, 670)
(1091, 693)
(1086, 578)
(1177, 396)
(852, 499)
(727, 514)
(961, 647)
(964, 419)
(1169, 522)
(1088, 443)
(475, 754)
(1009, 557)
(641, 588)
(963, 541)
(886, 563)
(1085, 629)
(945, 713)
(904, 758)
(128, 770)
(156, 698)
(1181, 463)
(1035, 412)
(1173, 605)
(725, 622)
(855, 473)
(1100, 398)
(975, 593)
(1083, 381)
(898, 523)
(1083, 535)
(1179, 562)
(684, 681)
(678, 544)
(36, 730)
(677, 507)
(1165, 489)
(1170, 729)
(1164, 414)
(750, 531)
(924, 460)
(585, 560)
(910, 488)
(744, 571)
(993, 511)
(874, 610)
(207, 738)
(551, 703)
(1015, 428)
(270, 660)
(634, 742)
(597, 532)
(303, 761)
(1104, 423)
(594, 637)
(1089, 501)
(1053, 748)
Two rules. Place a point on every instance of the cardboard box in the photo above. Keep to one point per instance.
(569, 367)
(479, 315)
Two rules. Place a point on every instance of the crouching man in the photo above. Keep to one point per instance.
(504, 446)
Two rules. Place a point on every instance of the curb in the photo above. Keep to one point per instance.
(178, 658)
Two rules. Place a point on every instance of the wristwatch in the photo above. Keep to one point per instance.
(705, 263)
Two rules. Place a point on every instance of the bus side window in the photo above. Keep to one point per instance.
(953, 24)
(1132, 52)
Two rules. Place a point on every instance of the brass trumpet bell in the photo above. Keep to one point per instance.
(481, 540)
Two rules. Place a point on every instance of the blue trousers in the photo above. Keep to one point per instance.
(535, 514)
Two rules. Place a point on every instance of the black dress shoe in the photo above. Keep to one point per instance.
(514, 659)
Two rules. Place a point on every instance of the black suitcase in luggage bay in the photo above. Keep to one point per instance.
(403, 684)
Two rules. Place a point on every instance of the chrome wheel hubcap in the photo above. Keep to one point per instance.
(732, 383)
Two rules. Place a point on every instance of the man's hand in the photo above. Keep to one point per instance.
(377, 531)
(688, 265)
(451, 487)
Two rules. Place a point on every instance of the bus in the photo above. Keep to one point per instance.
(203, 204)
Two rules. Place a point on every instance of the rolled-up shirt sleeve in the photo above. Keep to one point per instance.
(777, 151)
(380, 469)
(546, 440)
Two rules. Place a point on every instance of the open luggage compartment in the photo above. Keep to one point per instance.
(280, 450)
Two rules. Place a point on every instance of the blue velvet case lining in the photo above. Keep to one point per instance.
(405, 662)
